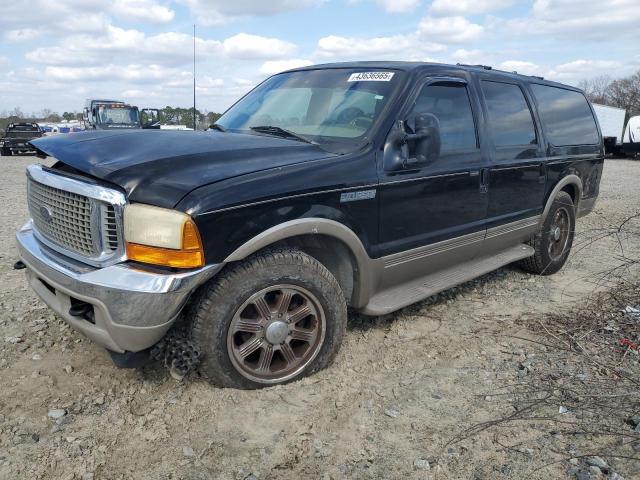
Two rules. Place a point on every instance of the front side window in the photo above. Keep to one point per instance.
(450, 104)
(509, 115)
(565, 115)
(335, 108)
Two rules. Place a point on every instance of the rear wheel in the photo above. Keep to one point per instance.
(553, 242)
(5, 152)
(271, 319)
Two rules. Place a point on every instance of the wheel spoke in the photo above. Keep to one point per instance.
(284, 302)
(247, 325)
(263, 307)
(265, 359)
(288, 353)
(303, 335)
(250, 346)
(301, 312)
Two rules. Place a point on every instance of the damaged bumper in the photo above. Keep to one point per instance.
(124, 308)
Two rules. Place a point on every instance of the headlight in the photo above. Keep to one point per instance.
(162, 237)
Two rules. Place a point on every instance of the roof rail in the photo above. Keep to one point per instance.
(484, 67)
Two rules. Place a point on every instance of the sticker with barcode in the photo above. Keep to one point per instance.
(371, 77)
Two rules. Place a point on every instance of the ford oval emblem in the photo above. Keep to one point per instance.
(46, 213)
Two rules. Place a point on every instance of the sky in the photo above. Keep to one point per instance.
(56, 53)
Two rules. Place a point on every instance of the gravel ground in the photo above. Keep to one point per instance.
(401, 391)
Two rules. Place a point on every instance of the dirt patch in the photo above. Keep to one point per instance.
(399, 401)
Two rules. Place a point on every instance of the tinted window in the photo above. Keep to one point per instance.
(566, 116)
(450, 104)
(509, 114)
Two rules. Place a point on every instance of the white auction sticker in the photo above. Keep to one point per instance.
(371, 77)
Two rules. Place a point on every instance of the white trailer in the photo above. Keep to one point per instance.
(631, 137)
(611, 120)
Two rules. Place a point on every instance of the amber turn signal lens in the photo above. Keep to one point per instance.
(191, 255)
(190, 236)
(165, 256)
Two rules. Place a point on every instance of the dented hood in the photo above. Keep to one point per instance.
(160, 167)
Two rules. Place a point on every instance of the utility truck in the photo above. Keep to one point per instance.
(110, 114)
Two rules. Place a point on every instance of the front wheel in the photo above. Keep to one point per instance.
(552, 244)
(274, 318)
(5, 152)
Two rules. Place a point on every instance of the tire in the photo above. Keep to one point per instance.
(6, 152)
(552, 244)
(238, 310)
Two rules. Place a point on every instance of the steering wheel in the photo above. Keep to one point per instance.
(361, 122)
(349, 114)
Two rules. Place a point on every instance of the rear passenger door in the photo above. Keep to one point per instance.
(516, 178)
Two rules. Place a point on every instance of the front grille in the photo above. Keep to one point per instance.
(109, 229)
(62, 217)
(81, 220)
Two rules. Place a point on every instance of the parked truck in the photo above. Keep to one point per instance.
(15, 140)
(611, 121)
(110, 114)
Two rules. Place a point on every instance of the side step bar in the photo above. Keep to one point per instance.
(418, 289)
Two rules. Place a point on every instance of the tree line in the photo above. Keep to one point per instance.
(621, 93)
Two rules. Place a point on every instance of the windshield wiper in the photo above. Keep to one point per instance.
(217, 126)
(281, 132)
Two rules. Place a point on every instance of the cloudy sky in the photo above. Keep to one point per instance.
(56, 53)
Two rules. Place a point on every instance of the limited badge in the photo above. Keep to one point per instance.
(371, 77)
(356, 196)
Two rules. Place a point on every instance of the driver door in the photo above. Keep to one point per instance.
(434, 213)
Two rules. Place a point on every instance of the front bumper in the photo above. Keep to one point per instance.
(133, 307)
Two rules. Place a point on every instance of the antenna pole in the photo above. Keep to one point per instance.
(194, 77)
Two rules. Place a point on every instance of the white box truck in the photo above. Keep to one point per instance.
(611, 121)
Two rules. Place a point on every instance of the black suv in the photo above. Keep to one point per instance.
(15, 140)
(368, 186)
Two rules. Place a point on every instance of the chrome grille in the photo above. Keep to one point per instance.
(80, 219)
(62, 217)
(109, 228)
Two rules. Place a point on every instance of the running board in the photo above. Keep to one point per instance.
(400, 296)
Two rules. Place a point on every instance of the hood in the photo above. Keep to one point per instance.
(160, 167)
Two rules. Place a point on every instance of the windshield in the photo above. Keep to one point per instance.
(335, 108)
(118, 116)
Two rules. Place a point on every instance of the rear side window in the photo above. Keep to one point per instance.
(566, 116)
(450, 104)
(509, 114)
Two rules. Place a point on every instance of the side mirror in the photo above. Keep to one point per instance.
(396, 148)
(427, 138)
(404, 150)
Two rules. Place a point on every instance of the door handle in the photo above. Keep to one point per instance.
(542, 178)
(484, 180)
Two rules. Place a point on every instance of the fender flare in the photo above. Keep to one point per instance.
(313, 226)
(568, 180)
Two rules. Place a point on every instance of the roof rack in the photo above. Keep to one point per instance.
(484, 67)
(488, 67)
